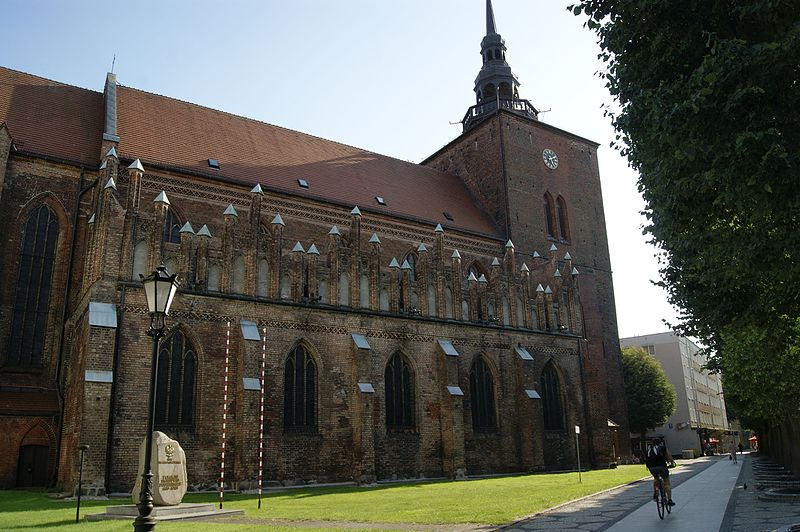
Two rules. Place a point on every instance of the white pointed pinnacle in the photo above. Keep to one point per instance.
(495, 262)
(112, 153)
(553, 248)
(394, 263)
(103, 165)
(567, 256)
(536, 255)
(438, 229)
(278, 220)
(91, 219)
(472, 278)
(204, 231)
(110, 184)
(482, 279)
(374, 239)
(313, 250)
(405, 265)
(230, 211)
(298, 248)
(136, 166)
(162, 198)
(257, 189)
(539, 288)
(356, 211)
(422, 247)
(456, 254)
(548, 290)
(525, 268)
(510, 244)
(335, 231)
(557, 274)
(187, 228)
(574, 271)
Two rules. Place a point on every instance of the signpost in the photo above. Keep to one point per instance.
(578, 450)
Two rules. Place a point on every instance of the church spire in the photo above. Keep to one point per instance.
(496, 86)
(490, 19)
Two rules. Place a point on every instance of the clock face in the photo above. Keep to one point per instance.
(550, 158)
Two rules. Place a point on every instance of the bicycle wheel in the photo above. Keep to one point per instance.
(661, 501)
(666, 503)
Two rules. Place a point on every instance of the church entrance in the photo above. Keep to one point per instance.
(32, 466)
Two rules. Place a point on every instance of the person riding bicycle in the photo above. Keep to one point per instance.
(658, 456)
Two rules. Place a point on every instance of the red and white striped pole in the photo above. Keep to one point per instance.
(224, 415)
(261, 414)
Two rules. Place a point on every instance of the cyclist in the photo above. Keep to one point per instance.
(658, 456)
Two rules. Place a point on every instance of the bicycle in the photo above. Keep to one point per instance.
(662, 502)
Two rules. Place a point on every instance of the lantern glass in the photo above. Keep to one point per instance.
(160, 289)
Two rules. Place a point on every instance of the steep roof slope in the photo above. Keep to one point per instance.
(176, 134)
(52, 119)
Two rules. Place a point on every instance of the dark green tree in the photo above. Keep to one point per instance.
(709, 115)
(648, 392)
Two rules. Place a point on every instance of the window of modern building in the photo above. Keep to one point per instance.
(32, 294)
(177, 368)
(481, 388)
(551, 399)
(399, 381)
(299, 391)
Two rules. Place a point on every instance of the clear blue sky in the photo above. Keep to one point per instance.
(387, 76)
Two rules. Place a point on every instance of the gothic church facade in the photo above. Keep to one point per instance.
(444, 319)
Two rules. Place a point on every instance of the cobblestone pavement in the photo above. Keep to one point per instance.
(601, 511)
(747, 513)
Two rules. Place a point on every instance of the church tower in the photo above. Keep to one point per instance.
(496, 85)
(541, 186)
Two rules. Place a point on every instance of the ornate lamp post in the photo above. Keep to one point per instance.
(159, 288)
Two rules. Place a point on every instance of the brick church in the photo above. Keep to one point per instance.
(443, 319)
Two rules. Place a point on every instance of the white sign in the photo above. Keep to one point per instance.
(577, 429)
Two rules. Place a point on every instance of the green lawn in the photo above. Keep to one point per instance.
(487, 501)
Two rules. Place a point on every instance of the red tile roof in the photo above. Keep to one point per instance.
(52, 119)
(28, 402)
(167, 132)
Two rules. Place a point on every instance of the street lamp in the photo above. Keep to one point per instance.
(159, 289)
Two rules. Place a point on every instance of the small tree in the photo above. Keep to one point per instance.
(648, 392)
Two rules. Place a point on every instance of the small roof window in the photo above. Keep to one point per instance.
(523, 353)
(303, 183)
(360, 341)
(213, 163)
(448, 348)
(252, 384)
(380, 200)
(250, 330)
(447, 215)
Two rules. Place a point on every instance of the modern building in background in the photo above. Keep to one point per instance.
(700, 415)
(442, 319)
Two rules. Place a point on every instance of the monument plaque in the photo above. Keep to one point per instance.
(168, 464)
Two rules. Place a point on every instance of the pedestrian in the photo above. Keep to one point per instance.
(732, 451)
(741, 448)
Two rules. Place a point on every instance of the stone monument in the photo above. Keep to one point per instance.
(168, 464)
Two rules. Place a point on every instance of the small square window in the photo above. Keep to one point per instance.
(380, 200)
(303, 183)
(213, 163)
(448, 215)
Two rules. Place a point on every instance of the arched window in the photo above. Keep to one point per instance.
(237, 283)
(412, 261)
(213, 278)
(141, 259)
(344, 290)
(363, 292)
(549, 223)
(172, 228)
(481, 391)
(431, 300)
(263, 278)
(563, 221)
(32, 294)
(299, 391)
(399, 380)
(177, 367)
(551, 399)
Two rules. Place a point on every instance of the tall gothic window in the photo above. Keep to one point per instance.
(563, 221)
(551, 399)
(177, 370)
(549, 222)
(412, 261)
(32, 295)
(299, 391)
(172, 228)
(481, 388)
(399, 380)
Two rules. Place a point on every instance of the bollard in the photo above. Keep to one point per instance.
(82, 448)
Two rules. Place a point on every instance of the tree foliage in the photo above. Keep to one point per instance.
(648, 392)
(709, 115)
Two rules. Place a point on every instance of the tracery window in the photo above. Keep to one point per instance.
(412, 261)
(177, 371)
(549, 222)
(563, 221)
(32, 294)
(399, 381)
(172, 228)
(299, 391)
(481, 385)
(551, 399)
